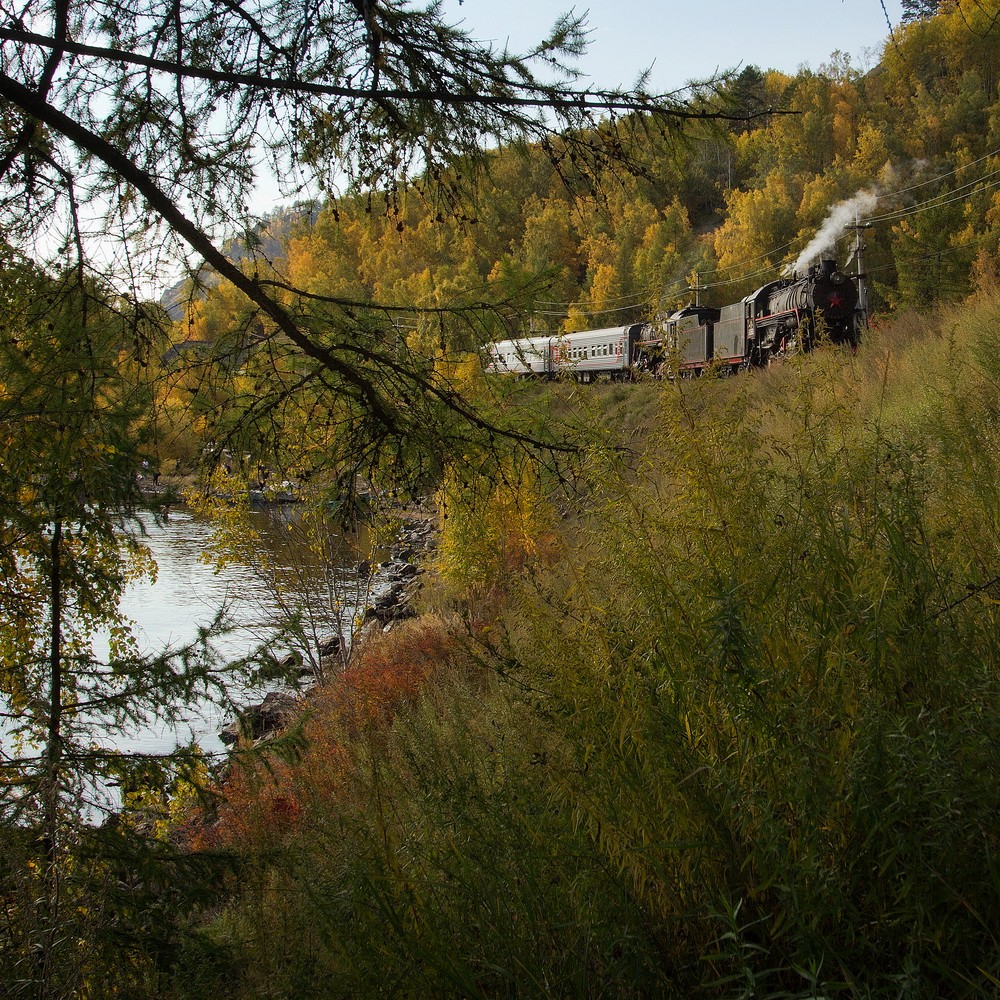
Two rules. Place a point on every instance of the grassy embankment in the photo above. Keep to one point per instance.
(724, 721)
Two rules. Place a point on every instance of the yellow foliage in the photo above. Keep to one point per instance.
(462, 371)
(493, 525)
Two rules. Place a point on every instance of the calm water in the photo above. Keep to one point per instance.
(188, 593)
(187, 596)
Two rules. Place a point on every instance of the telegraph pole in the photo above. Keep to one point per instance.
(859, 248)
(697, 288)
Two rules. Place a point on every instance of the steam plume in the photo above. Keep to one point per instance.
(842, 214)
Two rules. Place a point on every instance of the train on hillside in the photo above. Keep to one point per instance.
(779, 318)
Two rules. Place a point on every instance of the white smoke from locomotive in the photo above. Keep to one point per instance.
(842, 214)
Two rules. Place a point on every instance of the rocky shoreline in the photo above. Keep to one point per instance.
(393, 583)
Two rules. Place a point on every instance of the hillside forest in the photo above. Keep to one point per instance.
(909, 145)
(700, 697)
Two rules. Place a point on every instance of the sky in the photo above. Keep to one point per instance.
(693, 39)
(677, 41)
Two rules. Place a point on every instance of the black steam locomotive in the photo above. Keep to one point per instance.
(779, 318)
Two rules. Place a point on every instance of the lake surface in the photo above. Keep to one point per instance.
(189, 592)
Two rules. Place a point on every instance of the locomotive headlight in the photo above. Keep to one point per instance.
(838, 277)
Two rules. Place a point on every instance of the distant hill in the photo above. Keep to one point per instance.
(271, 236)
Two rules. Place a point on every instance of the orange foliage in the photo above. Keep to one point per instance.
(265, 801)
(259, 807)
(391, 671)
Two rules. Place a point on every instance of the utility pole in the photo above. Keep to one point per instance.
(859, 248)
(697, 288)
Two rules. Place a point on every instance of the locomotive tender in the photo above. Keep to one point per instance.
(781, 317)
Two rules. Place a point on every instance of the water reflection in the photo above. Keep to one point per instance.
(189, 592)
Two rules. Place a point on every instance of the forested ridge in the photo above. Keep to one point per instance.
(700, 695)
(911, 143)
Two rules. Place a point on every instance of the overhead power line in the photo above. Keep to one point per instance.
(986, 182)
(945, 198)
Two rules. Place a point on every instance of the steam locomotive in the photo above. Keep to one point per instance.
(779, 318)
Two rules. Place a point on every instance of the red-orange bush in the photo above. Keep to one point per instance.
(265, 801)
(391, 670)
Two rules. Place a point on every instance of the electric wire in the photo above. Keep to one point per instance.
(980, 185)
(945, 198)
(945, 176)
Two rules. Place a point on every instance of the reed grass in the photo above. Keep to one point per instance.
(740, 739)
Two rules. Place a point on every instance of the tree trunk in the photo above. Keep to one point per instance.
(51, 777)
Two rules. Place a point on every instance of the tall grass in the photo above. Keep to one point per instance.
(777, 658)
(433, 863)
(741, 738)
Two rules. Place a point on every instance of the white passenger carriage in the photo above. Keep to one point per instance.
(532, 356)
(584, 355)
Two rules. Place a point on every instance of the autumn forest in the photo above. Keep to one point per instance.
(695, 690)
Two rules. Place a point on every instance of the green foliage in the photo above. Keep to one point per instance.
(739, 740)
(84, 911)
(737, 735)
(126, 926)
(783, 710)
(439, 868)
(73, 424)
(493, 525)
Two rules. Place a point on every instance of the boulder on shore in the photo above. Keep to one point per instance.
(265, 719)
